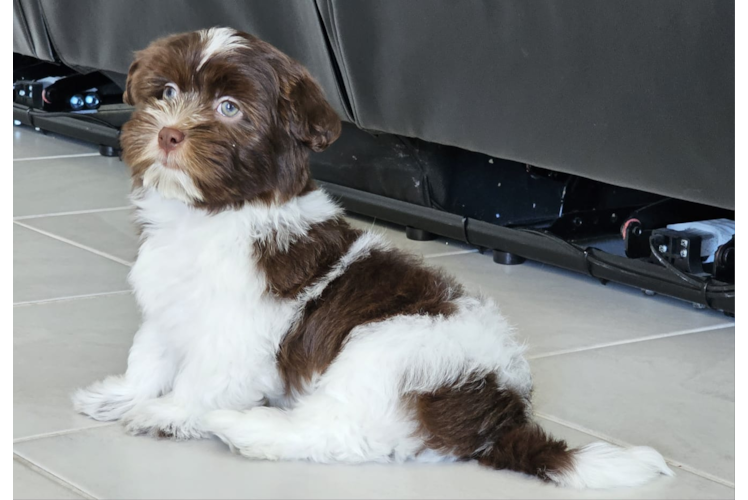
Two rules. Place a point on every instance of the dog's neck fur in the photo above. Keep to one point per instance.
(279, 224)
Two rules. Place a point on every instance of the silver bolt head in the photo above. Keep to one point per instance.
(684, 243)
(684, 253)
(662, 248)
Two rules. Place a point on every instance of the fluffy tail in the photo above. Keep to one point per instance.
(598, 465)
(478, 418)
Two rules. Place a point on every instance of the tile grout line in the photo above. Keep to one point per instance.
(61, 433)
(74, 212)
(71, 298)
(78, 245)
(55, 157)
(624, 444)
(632, 341)
(38, 469)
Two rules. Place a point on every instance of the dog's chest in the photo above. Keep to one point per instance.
(196, 272)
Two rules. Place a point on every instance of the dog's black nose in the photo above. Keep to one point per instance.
(169, 138)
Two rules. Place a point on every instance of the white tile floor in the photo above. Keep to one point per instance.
(609, 363)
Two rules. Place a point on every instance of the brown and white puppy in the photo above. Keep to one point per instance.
(270, 322)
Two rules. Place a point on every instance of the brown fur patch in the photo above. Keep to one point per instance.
(387, 283)
(478, 419)
(307, 259)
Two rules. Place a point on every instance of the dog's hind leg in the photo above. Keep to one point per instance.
(322, 428)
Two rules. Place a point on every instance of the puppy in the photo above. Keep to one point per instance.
(271, 323)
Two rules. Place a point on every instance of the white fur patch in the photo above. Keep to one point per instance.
(603, 465)
(287, 223)
(360, 249)
(216, 40)
(172, 183)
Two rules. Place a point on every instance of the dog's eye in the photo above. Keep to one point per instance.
(228, 109)
(170, 92)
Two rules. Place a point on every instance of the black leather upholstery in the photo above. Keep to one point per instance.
(634, 93)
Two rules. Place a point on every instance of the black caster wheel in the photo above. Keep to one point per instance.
(418, 234)
(506, 258)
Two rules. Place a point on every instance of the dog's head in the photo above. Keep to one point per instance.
(223, 118)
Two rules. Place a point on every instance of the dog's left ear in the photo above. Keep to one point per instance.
(313, 122)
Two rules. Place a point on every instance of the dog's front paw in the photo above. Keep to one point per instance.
(107, 400)
(161, 418)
